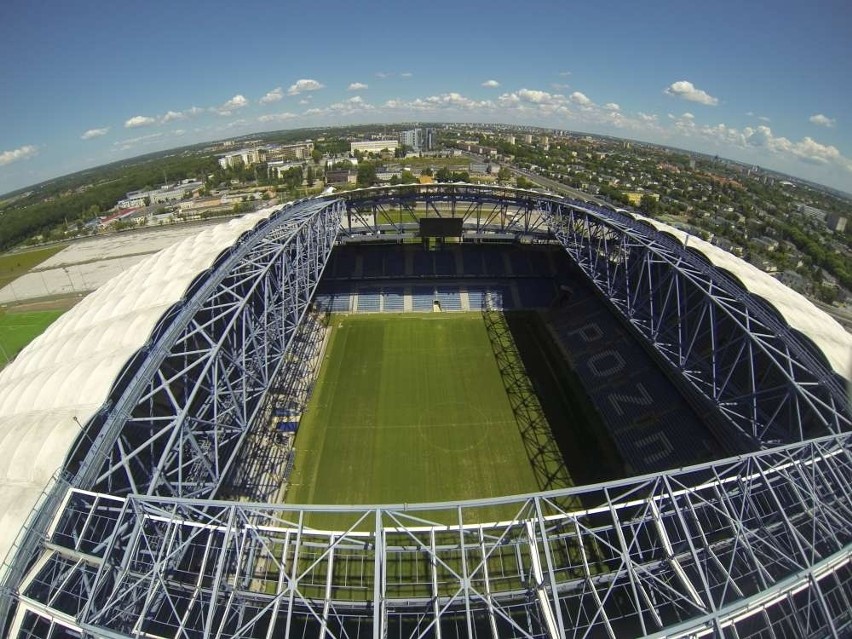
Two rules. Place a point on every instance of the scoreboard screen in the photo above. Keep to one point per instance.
(441, 226)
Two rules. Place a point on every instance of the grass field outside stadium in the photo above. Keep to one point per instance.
(428, 407)
(17, 329)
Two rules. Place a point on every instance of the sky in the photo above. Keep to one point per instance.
(89, 82)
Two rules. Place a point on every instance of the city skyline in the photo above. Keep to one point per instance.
(762, 84)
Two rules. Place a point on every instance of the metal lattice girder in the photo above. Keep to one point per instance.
(763, 377)
(753, 545)
(735, 351)
(397, 209)
(178, 424)
(673, 554)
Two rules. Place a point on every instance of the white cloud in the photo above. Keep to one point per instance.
(451, 100)
(173, 115)
(304, 85)
(353, 105)
(762, 118)
(491, 84)
(611, 106)
(688, 91)
(124, 145)
(306, 100)
(560, 86)
(407, 74)
(273, 96)
(444, 101)
(237, 102)
(761, 138)
(564, 74)
(383, 75)
(94, 133)
(822, 120)
(535, 96)
(139, 120)
(647, 117)
(21, 153)
(356, 86)
(580, 98)
(277, 117)
(193, 111)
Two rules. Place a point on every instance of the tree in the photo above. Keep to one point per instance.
(366, 174)
(504, 175)
(649, 204)
(309, 177)
(523, 183)
(427, 171)
(408, 177)
(444, 175)
(316, 156)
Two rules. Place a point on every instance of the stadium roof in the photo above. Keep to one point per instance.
(63, 377)
(800, 313)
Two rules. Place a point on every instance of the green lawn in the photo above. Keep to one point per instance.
(19, 329)
(410, 408)
(13, 265)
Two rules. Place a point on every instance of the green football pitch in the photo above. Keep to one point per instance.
(415, 408)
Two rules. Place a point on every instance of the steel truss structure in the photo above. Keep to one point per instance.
(132, 541)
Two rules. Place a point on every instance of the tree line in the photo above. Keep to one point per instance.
(86, 195)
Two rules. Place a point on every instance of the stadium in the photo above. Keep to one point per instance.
(438, 410)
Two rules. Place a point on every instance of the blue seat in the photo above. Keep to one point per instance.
(520, 263)
(494, 265)
(475, 296)
(369, 300)
(373, 263)
(472, 261)
(449, 297)
(536, 293)
(422, 298)
(393, 300)
(395, 264)
(422, 264)
(445, 263)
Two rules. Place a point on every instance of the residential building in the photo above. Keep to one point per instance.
(166, 194)
(836, 222)
(412, 138)
(342, 176)
(297, 151)
(812, 212)
(280, 167)
(246, 157)
(373, 146)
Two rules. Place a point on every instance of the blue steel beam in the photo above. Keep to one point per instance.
(754, 544)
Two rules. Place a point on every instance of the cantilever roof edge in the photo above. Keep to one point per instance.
(802, 315)
(62, 378)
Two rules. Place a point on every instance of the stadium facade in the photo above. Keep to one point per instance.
(145, 395)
